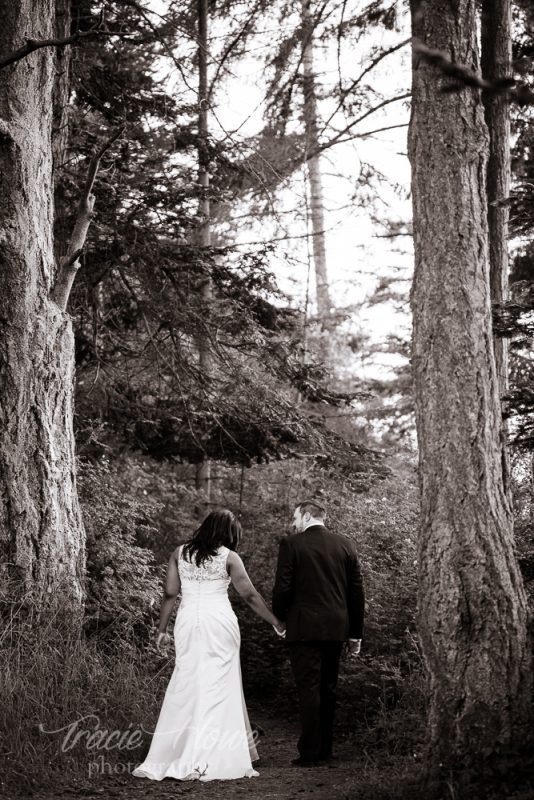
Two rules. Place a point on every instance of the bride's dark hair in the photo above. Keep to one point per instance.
(217, 529)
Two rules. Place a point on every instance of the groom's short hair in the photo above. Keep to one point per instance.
(312, 507)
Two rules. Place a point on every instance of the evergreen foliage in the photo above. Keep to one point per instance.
(137, 303)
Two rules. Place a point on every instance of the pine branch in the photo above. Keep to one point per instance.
(463, 77)
(230, 47)
(70, 264)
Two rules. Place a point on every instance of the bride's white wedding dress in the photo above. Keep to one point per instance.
(203, 730)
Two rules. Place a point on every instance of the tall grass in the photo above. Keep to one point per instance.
(52, 677)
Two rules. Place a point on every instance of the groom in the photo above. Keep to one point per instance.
(318, 592)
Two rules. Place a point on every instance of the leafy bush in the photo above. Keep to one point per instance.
(121, 580)
(383, 524)
(522, 487)
(138, 502)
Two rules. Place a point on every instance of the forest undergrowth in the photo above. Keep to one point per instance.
(65, 694)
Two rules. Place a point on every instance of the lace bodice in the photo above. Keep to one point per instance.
(212, 570)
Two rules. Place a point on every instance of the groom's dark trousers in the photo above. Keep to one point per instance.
(315, 668)
(319, 593)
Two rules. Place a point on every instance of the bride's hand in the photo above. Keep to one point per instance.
(280, 629)
(163, 638)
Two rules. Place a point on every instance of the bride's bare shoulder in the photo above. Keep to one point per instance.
(233, 559)
(177, 552)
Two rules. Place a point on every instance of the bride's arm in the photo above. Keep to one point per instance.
(245, 588)
(170, 593)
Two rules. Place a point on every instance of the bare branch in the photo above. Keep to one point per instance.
(70, 264)
(339, 135)
(374, 62)
(369, 133)
(95, 160)
(37, 44)
(72, 258)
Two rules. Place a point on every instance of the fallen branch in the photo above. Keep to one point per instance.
(70, 264)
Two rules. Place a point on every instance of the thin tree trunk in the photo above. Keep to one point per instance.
(472, 605)
(496, 58)
(314, 167)
(203, 471)
(62, 66)
(60, 125)
(41, 530)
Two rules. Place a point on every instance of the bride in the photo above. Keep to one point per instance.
(203, 729)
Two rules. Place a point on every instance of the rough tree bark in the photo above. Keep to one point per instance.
(496, 59)
(41, 530)
(314, 166)
(203, 470)
(472, 605)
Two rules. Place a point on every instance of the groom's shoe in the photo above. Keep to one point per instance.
(327, 757)
(330, 761)
(303, 762)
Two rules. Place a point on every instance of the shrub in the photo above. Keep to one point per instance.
(122, 581)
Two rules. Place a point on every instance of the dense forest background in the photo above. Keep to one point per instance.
(239, 301)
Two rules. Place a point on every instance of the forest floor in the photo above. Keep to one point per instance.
(278, 778)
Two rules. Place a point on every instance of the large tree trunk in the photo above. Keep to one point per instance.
(496, 58)
(472, 605)
(314, 167)
(41, 530)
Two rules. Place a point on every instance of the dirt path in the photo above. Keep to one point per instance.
(278, 777)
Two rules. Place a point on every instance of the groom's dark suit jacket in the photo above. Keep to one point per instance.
(318, 589)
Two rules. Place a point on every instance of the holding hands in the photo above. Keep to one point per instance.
(162, 640)
(353, 647)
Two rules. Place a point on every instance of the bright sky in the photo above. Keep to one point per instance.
(358, 252)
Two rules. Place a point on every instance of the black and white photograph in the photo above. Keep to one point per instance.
(267, 399)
